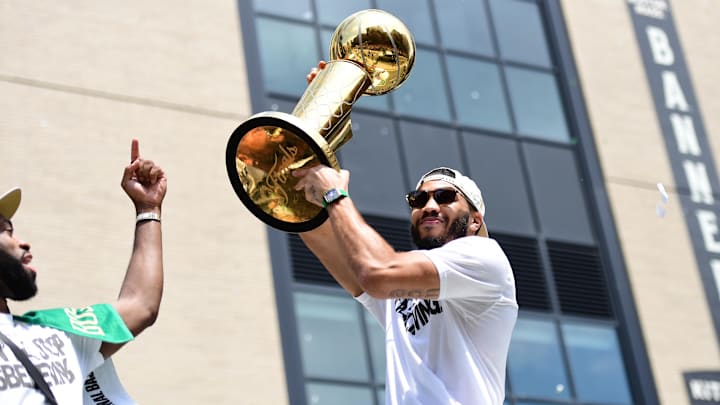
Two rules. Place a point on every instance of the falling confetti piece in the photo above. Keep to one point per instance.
(660, 210)
(663, 193)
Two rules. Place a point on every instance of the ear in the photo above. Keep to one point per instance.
(476, 222)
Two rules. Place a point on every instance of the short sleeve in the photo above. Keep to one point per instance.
(473, 267)
(88, 352)
(377, 307)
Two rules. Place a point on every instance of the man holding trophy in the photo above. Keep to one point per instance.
(448, 309)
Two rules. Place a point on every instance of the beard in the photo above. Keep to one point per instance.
(16, 283)
(458, 228)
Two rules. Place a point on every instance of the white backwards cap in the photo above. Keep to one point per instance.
(463, 183)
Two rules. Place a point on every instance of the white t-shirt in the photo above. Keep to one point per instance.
(63, 359)
(454, 350)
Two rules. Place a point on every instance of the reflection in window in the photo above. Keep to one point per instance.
(535, 364)
(537, 105)
(332, 12)
(287, 52)
(288, 8)
(378, 103)
(330, 337)
(415, 14)
(477, 94)
(423, 93)
(520, 31)
(596, 363)
(331, 394)
(465, 28)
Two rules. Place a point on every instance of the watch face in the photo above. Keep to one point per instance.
(332, 195)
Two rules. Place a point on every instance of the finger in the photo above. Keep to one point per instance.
(311, 75)
(147, 165)
(130, 171)
(300, 184)
(134, 150)
(144, 172)
(155, 173)
(322, 64)
(309, 194)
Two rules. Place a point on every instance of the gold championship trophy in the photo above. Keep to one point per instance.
(371, 53)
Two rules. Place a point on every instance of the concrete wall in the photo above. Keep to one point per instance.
(657, 250)
(78, 80)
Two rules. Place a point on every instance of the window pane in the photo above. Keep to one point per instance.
(477, 94)
(415, 14)
(464, 26)
(332, 12)
(325, 37)
(377, 103)
(330, 337)
(274, 104)
(535, 364)
(596, 363)
(287, 52)
(371, 156)
(556, 183)
(376, 338)
(381, 397)
(428, 146)
(423, 93)
(508, 208)
(537, 105)
(528, 403)
(520, 31)
(330, 394)
(288, 8)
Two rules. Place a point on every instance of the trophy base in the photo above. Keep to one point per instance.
(260, 157)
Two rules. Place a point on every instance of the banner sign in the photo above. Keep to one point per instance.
(687, 145)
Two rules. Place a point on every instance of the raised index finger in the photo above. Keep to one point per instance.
(134, 150)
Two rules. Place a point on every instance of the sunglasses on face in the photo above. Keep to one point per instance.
(418, 198)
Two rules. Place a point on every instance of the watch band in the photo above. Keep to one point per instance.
(333, 195)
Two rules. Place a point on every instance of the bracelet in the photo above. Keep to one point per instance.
(147, 216)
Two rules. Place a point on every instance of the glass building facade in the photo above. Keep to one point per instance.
(489, 94)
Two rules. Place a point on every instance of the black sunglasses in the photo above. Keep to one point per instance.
(418, 198)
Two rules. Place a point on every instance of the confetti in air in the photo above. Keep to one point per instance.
(660, 207)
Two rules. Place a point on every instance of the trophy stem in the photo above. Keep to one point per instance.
(341, 135)
(325, 106)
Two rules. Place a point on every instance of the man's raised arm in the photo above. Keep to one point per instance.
(139, 300)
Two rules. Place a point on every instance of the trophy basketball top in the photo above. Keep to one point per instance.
(380, 43)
